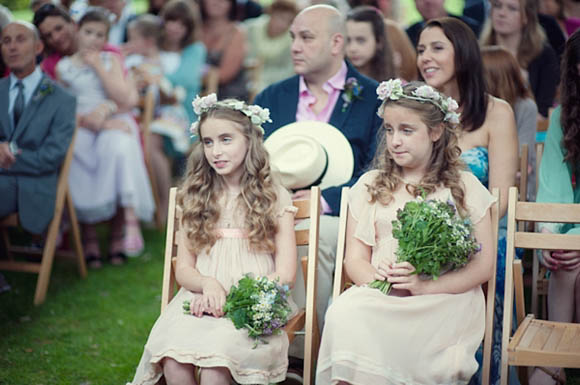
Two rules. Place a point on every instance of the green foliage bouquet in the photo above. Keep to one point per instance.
(257, 304)
(432, 237)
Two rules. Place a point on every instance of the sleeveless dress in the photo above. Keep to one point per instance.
(215, 342)
(373, 338)
(107, 169)
(477, 159)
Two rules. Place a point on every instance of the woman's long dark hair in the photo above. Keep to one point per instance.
(570, 96)
(473, 96)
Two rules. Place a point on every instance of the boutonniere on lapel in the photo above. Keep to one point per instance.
(45, 88)
(352, 91)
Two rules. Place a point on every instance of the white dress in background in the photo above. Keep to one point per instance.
(108, 169)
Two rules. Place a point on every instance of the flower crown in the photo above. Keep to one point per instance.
(393, 90)
(257, 114)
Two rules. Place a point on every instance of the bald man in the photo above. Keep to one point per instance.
(37, 121)
(316, 93)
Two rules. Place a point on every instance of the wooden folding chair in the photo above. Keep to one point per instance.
(306, 318)
(147, 114)
(342, 281)
(536, 342)
(44, 267)
(539, 272)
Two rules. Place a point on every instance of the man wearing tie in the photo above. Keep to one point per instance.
(37, 121)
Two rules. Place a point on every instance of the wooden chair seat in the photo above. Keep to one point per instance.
(557, 342)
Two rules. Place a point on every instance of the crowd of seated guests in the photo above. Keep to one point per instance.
(500, 60)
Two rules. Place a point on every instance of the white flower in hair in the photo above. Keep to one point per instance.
(194, 128)
(452, 105)
(203, 103)
(391, 89)
(427, 92)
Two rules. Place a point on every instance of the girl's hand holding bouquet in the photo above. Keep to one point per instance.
(432, 238)
(211, 301)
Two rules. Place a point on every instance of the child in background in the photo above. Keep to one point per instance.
(444, 318)
(367, 46)
(234, 220)
(170, 120)
(107, 177)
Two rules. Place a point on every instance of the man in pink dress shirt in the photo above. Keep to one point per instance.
(320, 92)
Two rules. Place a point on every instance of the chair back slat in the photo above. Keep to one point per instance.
(302, 237)
(547, 212)
(168, 289)
(490, 294)
(340, 278)
(547, 241)
(524, 172)
(303, 207)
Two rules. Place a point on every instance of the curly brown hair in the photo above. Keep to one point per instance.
(445, 159)
(570, 96)
(199, 193)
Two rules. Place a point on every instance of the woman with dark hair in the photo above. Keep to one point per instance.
(513, 24)
(226, 45)
(449, 59)
(559, 183)
(504, 80)
(367, 45)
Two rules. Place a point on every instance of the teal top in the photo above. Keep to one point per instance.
(555, 184)
(189, 74)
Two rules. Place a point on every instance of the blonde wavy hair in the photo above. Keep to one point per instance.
(198, 195)
(445, 159)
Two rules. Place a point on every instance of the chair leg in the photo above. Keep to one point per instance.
(7, 244)
(76, 236)
(47, 259)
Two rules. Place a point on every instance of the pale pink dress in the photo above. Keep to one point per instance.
(215, 342)
(372, 338)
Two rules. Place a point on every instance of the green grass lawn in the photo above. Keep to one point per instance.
(88, 331)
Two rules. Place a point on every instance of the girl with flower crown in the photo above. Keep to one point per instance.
(449, 59)
(234, 220)
(423, 331)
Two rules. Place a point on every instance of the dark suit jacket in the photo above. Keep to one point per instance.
(359, 122)
(43, 133)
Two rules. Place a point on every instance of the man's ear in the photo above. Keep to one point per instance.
(337, 43)
(38, 47)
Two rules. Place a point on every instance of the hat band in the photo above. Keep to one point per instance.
(322, 174)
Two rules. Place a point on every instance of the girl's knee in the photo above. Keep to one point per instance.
(176, 372)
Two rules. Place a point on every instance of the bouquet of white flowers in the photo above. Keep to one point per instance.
(432, 237)
(257, 304)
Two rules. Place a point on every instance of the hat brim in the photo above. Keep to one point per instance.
(340, 156)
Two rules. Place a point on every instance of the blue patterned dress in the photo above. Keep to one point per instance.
(478, 162)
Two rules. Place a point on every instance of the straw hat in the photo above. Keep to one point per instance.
(310, 153)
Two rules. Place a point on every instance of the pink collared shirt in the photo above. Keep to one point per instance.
(333, 88)
(306, 99)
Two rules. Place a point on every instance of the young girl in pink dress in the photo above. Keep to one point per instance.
(234, 220)
(424, 331)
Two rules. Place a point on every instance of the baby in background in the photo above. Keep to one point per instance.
(146, 63)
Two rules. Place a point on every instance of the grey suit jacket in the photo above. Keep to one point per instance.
(43, 134)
